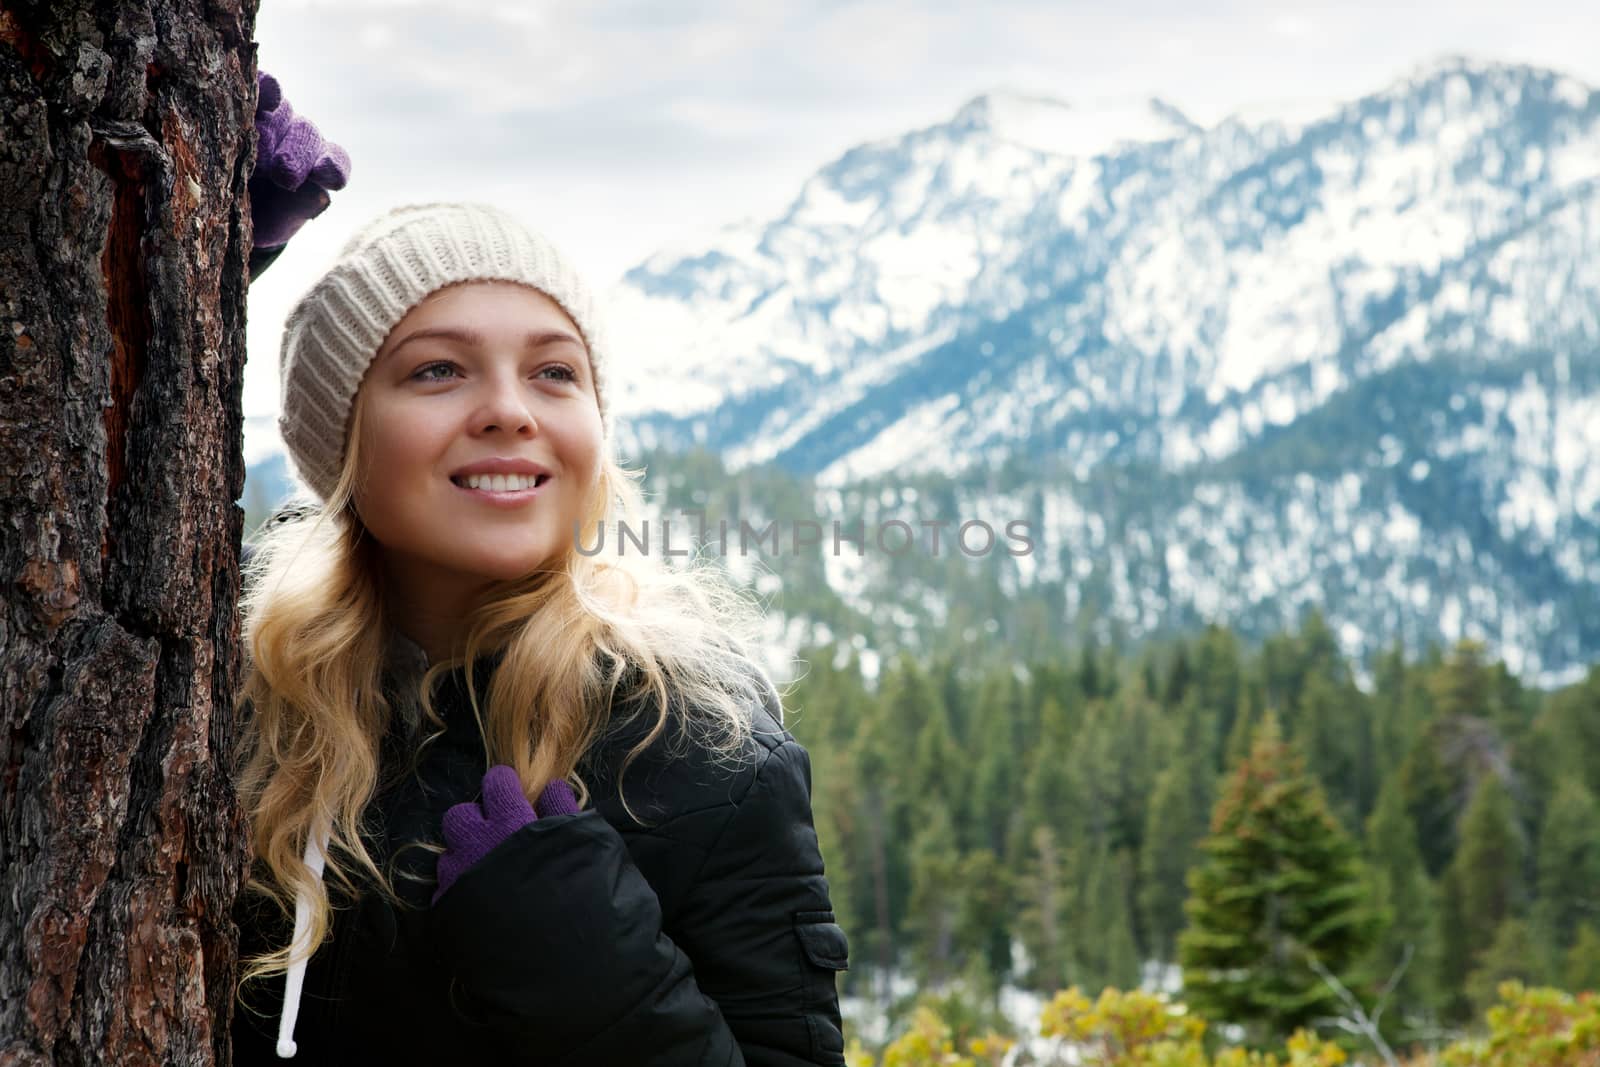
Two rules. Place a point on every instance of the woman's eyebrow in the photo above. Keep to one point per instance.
(468, 336)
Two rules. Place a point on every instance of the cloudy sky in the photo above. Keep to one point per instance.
(620, 126)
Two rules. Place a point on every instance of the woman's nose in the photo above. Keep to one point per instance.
(506, 407)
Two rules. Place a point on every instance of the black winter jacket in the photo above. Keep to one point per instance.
(700, 933)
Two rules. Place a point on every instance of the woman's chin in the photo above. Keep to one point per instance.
(508, 569)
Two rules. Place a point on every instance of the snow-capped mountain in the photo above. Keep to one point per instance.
(1347, 358)
(1123, 284)
(1384, 318)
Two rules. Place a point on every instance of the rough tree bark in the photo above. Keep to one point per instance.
(125, 145)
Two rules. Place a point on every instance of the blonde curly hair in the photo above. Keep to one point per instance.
(576, 637)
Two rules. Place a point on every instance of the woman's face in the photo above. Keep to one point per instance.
(477, 372)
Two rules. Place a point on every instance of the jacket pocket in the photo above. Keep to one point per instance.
(826, 951)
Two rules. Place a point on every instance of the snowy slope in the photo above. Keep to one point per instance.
(1124, 284)
(1344, 356)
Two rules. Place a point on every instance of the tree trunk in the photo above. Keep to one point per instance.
(125, 144)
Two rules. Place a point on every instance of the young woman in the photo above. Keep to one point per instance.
(429, 650)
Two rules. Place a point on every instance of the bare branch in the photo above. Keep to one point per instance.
(1389, 986)
(1357, 1021)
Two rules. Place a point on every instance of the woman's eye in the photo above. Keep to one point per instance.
(423, 375)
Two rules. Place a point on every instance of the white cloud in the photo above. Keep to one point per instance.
(1293, 26)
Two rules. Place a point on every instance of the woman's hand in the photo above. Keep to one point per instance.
(295, 171)
(472, 829)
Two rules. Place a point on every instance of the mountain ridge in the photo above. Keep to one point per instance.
(1358, 347)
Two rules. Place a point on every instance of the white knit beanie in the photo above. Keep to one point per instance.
(384, 271)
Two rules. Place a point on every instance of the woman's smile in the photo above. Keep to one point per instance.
(495, 491)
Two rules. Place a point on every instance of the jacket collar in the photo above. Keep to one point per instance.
(405, 657)
(405, 662)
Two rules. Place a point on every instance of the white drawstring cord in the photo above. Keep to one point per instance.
(315, 857)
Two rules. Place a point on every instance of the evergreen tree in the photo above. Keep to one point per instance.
(1333, 732)
(1287, 661)
(949, 674)
(1065, 815)
(1505, 959)
(1488, 867)
(1175, 823)
(1106, 953)
(997, 776)
(1114, 765)
(1404, 897)
(1461, 686)
(1050, 798)
(1455, 958)
(884, 826)
(1280, 671)
(908, 699)
(1581, 971)
(987, 914)
(1218, 688)
(937, 889)
(1570, 729)
(1569, 872)
(1179, 676)
(1399, 710)
(1045, 902)
(1050, 832)
(1049, 682)
(1432, 793)
(1463, 745)
(1279, 879)
(1252, 706)
(1149, 673)
(1093, 681)
(938, 768)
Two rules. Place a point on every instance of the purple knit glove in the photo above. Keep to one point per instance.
(295, 170)
(472, 829)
